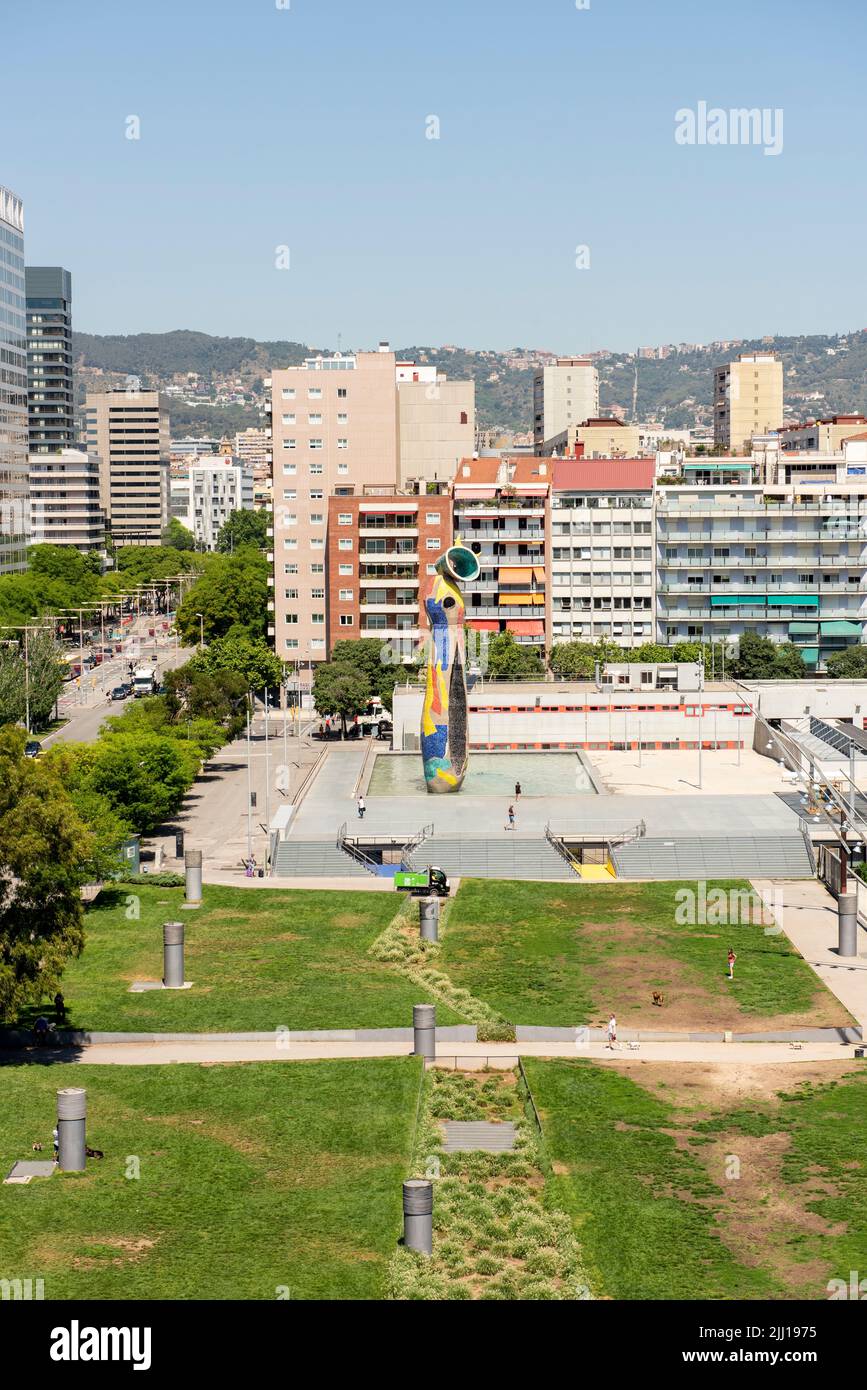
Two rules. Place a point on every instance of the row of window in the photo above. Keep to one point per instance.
(313, 418)
(314, 393)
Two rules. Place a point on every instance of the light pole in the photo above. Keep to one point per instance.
(639, 743)
(267, 785)
(700, 715)
(201, 618)
(249, 793)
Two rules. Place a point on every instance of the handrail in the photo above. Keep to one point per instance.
(621, 837)
(414, 842)
(354, 852)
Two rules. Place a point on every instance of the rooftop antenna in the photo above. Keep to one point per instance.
(339, 342)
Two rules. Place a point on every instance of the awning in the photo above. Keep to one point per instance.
(810, 655)
(473, 494)
(539, 573)
(731, 600)
(537, 600)
(512, 575)
(531, 627)
(803, 629)
(725, 464)
(484, 624)
(793, 600)
(840, 629)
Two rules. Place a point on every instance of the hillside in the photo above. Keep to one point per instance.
(823, 375)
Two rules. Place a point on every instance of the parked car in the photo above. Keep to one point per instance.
(120, 692)
(32, 748)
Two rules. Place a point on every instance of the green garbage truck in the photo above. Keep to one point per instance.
(423, 883)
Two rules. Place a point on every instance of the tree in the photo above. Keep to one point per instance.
(44, 850)
(143, 776)
(507, 658)
(35, 684)
(220, 696)
(365, 654)
(650, 653)
(755, 659)
(176, 535)
(249, 657)
(789, 662)
(341, 690)
(849, 664)
(244, 528)
(577, 660)
(232, 593)
(144, 564)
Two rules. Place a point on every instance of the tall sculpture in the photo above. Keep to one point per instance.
(444, 743)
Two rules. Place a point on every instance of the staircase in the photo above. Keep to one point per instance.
(315, 859)
(771, 856)
(508, 856)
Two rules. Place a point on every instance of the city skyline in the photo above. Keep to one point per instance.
(305, 142)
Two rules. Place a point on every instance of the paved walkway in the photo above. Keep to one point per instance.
(809, 919)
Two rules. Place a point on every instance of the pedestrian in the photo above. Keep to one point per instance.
(732, 959)
(60, 1007)
(517, 790)
(612, 1032)
(511, 817)
(361, 808)
(55, 1140)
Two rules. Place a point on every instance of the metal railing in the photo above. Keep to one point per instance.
(413, 843)
(348, 847)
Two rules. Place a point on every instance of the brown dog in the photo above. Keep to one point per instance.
(658, 998)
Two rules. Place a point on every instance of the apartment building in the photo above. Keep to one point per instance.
(334, 426)
(129, 431)
(204, 500)
(564, 393)
(785, 560)
(382, 551)
(50, 398)
(64, 500)
(602, 551)
(14, 506)
(436, 423)
(822, 436)
(602, 438)
(254, 447)
(501, 505)
(748, 399)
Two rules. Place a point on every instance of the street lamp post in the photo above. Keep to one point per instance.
(201, 618)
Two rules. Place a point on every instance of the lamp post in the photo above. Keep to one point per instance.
(201, 618)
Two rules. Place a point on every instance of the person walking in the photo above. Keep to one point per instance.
(511, 817)
(361, 808)
(517, 790)
(731, 959)
(612, 1032)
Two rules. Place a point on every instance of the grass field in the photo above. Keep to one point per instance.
(708, 1183)
(259, 960)
(253, 1179)
(560, 954)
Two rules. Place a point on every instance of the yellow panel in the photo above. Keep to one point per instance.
(532, 599)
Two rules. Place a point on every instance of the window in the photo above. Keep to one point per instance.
(288, 393)
(433, 543)
(317, 519)
(343, 419)
(317, 543)
(316, 494)
(431, 569)
(347, 595)
(289, 494)
(314, 419)
(346, 620)
(343, 443)
(344, 545)
(288, 443)
(290, 519)
(290, 593)
(432, 519)
(290, 469)
(316, 468)
(290, 617)
(290, 569)
(317, 593)
(318, 619)
(288, 419)
(346, 569)
(344, 518)
(317, 644)
(343, 468)
(314, 393)
(290, 545)
(317, 569)
(291, 643)
(341, 392)
(316, 444)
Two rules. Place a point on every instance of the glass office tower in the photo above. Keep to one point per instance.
(49, 358)
(14, 507)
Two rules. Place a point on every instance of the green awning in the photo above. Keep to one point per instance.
(793, 600)
(840, 629)
(810, 655)
(803, 629)
(731, 600)
(727, 464)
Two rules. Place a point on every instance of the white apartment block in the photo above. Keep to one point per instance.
(602, 551)
(212, 490)
(564, 393)
(129, 432)
(64, 500)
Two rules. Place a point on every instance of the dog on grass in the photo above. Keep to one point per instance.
(658, 998)
(37, 1148)
(93, 1153)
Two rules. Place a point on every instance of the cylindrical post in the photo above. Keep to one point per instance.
(71, 1126)
(847, 924)
(173, 955)
(193, 871)
(418, 1215)
(424, 1025)
(429, 918)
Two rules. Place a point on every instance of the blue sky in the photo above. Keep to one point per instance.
(263, 127)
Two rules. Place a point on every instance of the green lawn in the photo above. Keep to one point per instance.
(258, 959)
(252, 1179)
(658, 1219)
(562, 954)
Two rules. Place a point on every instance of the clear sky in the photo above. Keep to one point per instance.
(305, 127)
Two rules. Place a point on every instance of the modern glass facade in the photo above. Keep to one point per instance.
(49, 358)
(14, 504)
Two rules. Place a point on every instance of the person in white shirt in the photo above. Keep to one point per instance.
(361, 808)
(612, 1032)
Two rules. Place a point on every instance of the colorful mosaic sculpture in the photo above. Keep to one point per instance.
(444, 743)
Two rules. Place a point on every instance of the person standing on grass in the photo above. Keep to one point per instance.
(612, 1032)
(732, 958)
(511, 817)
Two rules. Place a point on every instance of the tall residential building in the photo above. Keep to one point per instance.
(14, 507)
(49, 358)
(254, 447)
(382, 552)
(334, 433)
(213, 489)
(436, 423)
(64, 500)
(564, 393)
(748, 399)
(129, 431)
(501, 505)
(602, 569)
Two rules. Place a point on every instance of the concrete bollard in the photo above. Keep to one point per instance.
(71, 1127)
(193, 871)
(847, 924)
(173, 955)
(429, 919)
(418, 1215)
(424, 1025)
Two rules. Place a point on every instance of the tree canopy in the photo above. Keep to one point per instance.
(232, 596)
(244, 528)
